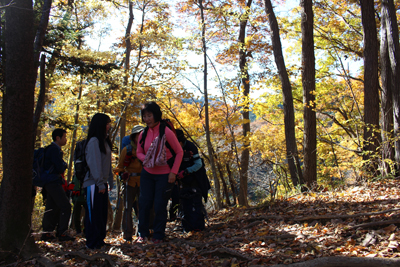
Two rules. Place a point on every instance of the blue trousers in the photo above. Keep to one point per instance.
(152, 188)
(96, 210)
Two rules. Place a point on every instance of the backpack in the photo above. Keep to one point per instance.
(170, 125)
(202, 181)
(40, 176)
(80, 164)
(128, 157)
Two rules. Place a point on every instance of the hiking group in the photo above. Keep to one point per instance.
(157, 165)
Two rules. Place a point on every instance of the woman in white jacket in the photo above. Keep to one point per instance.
(98, 158)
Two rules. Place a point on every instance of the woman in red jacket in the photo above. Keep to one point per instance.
(154, 150)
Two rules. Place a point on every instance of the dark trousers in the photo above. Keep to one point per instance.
(131, 199)
(79, 203)
(152, 188)
(58, 209)
(96, 209)
(174, 207)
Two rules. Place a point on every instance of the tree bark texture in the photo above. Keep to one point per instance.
(16, 186)
(371, 93)
(224, 185)
(392, 33)
(288, 108)
(38, 44)
(74, 132)
(308, 80)
(232, 183)
(244, 161)
(386, 95)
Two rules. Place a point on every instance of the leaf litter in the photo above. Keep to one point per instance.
(362, 221)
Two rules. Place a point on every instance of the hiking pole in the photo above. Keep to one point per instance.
(126, 205)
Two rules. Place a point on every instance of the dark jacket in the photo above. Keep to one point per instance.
(53, 159)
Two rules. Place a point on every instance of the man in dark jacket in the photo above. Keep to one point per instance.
(58, 208)
(191, 163)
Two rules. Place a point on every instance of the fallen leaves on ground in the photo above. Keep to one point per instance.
(361, 221)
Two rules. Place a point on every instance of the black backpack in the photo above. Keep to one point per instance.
(80, 164)
(40, 176)
(202, 181)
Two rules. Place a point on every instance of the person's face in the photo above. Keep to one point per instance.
(148, 118)
(63, 140)
(108, 127)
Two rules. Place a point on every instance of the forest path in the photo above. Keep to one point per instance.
(359, 225)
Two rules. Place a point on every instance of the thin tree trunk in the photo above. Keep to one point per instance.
(41, 99)
(49, 71)
(371, 93)
(73, 139)
(232, 183)
(308, 80)
(38, 44)
(207, 120)
(224, 186)
(244, 162)
(392, 32)
(16, 186)
(119, 211)
(386, 95)
(288, 109)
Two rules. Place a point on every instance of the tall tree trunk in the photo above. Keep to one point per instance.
(73, 139)
(308, 79)
(371, 93)
(16, 186)
(244, 161)
(207, 120)
(392, 32)
(288, 109)
(386, 95)
(119, 211)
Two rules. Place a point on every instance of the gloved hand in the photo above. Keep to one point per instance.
(182, 174)
(125, 176)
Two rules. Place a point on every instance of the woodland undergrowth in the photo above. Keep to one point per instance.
(360, 222)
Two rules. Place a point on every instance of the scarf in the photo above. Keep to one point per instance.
(153, 159)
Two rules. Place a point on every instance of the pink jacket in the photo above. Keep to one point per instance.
(152, 133)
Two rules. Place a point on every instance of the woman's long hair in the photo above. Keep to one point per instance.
(154, 109)
(97, 128)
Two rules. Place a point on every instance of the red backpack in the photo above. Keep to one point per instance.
(170, 125)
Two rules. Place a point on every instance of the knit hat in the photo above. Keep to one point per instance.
(137, 129)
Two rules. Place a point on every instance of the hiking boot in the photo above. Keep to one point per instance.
(157, 241)
(141, 240)
(47, 237)
(102, 245)
(65, 237)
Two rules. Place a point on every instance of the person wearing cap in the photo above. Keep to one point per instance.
(129, 168)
